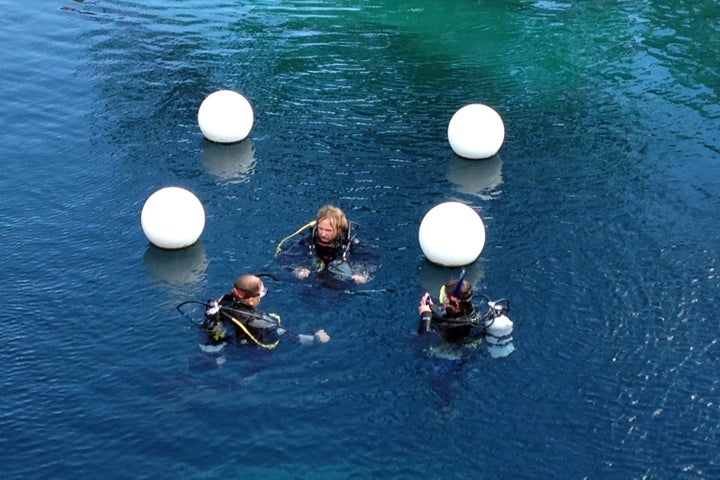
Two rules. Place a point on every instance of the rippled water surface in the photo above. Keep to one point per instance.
(601, 209)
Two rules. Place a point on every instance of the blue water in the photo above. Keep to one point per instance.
(601, 209)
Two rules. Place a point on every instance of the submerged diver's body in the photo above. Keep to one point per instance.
(234, 317)
(452, 330)
(330, 247)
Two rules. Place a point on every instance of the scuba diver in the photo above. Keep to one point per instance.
(331, 247)
(456, 327)
(459, 321)
(234, 317)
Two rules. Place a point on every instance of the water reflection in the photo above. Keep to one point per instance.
(233, 163)
(476, 177)
(177, 267)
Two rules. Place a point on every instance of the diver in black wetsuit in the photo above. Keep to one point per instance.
(456, 318)
(331, 247)
(234, 316)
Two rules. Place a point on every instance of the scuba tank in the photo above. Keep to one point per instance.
(499, 330)
(500, 324)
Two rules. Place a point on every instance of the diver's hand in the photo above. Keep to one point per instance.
(360, 278)
(302, 273)
(425, 303)
(213, 308)
(322, 336)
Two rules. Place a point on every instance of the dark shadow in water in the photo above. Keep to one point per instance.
(446, 370)
(234, 163)
(177, 267)
(480, 178)
(431, 276)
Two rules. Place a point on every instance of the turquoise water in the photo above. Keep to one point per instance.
(601, 212)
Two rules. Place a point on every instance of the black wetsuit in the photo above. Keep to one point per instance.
(333, 257)
(453, 328)
(338, 249)
(256, 326)
(341, 258)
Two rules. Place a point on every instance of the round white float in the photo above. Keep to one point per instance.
(173, 218)
(476, 131)
(225, 116)
(452, 234)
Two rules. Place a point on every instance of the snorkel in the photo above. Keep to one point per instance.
(459, 285)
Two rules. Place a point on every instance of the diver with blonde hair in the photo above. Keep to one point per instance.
(332, 247)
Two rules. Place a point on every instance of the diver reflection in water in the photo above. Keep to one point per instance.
(462, 326)
(331, 250)
(234, 317)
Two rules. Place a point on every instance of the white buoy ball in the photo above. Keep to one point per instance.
(476, 131)
(452, 234)
(173, 218)
(225, 116)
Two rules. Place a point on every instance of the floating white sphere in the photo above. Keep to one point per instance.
(452, 234)
(476, 131)
(173, 218)
(225, 116)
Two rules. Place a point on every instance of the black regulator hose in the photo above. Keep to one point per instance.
(185, 315)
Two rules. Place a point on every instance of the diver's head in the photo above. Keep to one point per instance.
(331, 222)
(249, 289)
(457, 299)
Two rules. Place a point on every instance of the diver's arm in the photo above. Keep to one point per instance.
(360, 278)
(301, 272)
(271, 329)
(424, 323)
(297, 257)
(320, 336)
(425, 311)
(312, 263)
